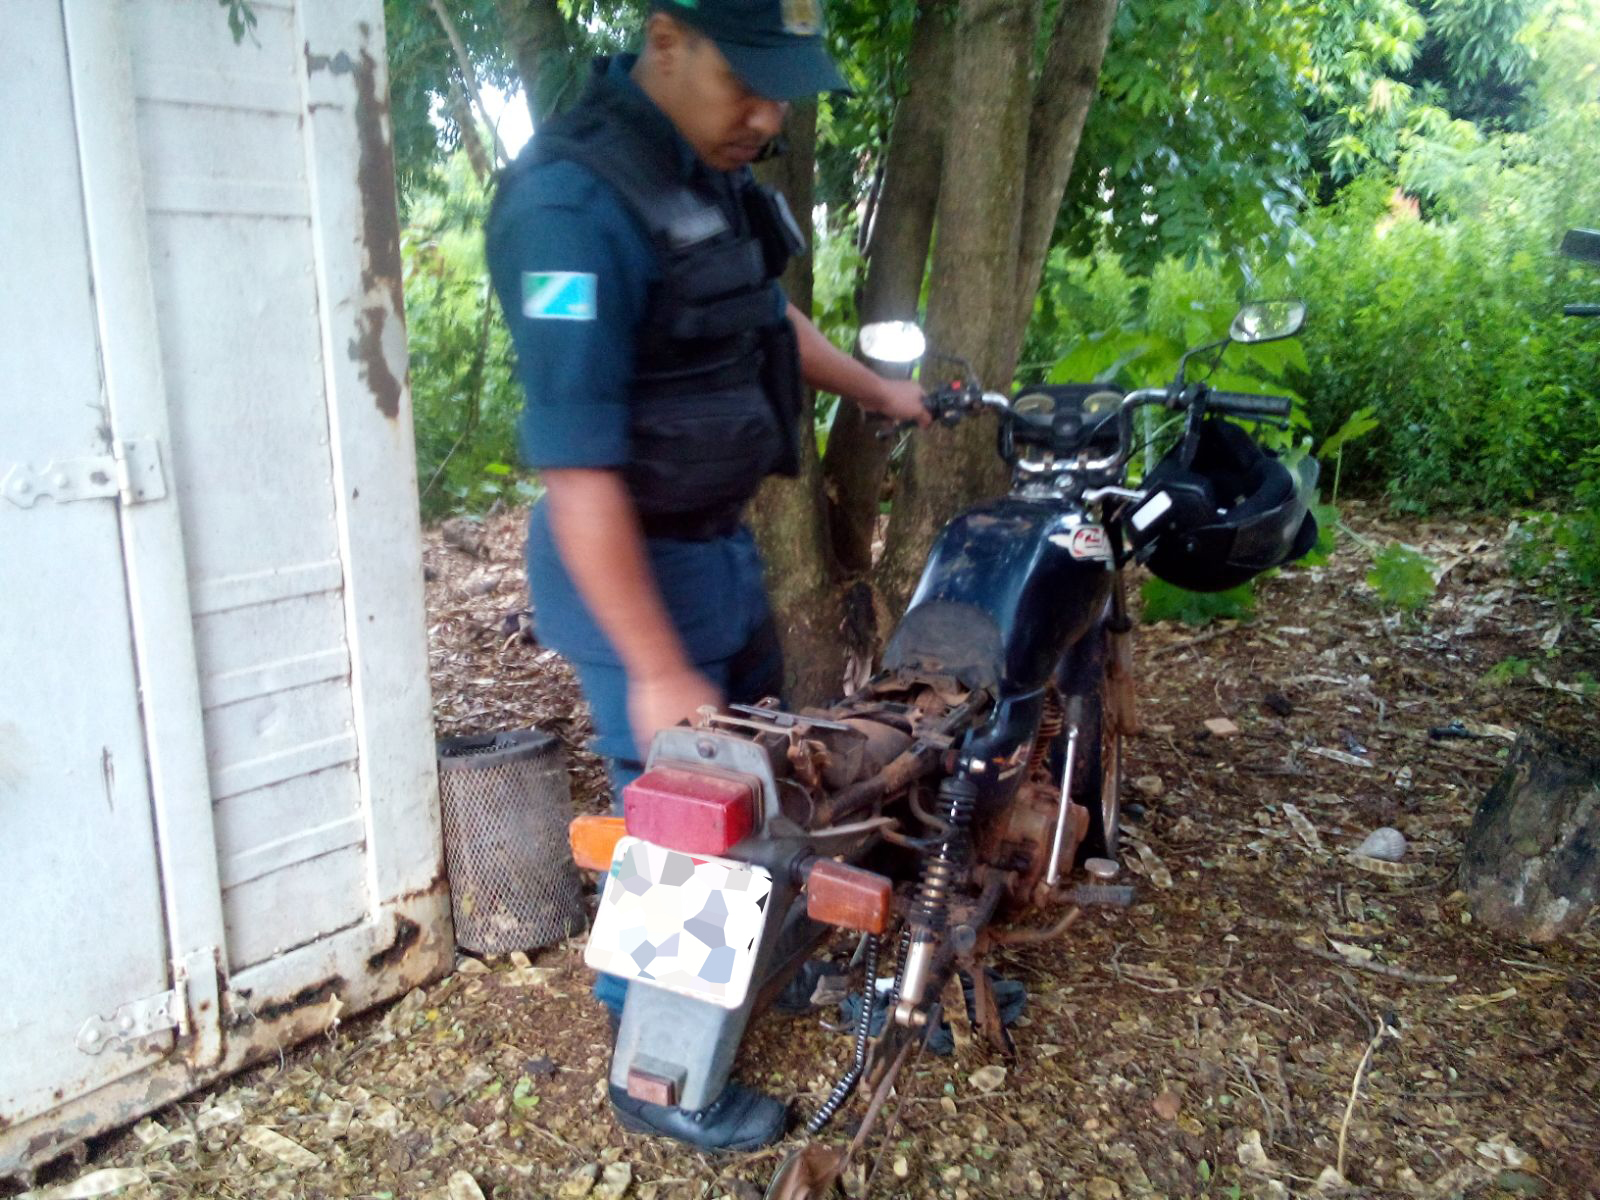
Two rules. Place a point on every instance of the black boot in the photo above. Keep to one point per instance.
(739, 1119)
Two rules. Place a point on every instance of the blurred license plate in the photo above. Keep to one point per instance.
(681, 922)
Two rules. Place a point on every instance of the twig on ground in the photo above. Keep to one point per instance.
(1384, 1030)
(1283, 1094)
(1258, 1004)
(1378, 968)
(1266, 1109)
(1202, 638)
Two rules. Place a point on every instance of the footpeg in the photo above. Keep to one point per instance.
(1102, 895)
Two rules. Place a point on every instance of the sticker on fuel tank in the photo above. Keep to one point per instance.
(1085, 542)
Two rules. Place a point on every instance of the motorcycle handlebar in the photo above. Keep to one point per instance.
(1582, 310)
(1248, 404)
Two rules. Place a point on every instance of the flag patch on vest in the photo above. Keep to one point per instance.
(558, 295)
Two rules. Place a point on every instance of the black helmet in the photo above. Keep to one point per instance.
(1220, 510)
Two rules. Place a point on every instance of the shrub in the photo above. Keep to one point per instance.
(465, 397)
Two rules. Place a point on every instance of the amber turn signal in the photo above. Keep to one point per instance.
(594, 841)
(846, 896)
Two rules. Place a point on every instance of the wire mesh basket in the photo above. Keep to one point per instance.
(506, 804)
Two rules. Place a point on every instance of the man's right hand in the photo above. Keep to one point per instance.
(661, 701)
(597, 532)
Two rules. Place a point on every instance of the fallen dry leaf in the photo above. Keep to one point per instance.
(290, 1153)
(1471, 1000)
(96, 1183)
(990, 1078)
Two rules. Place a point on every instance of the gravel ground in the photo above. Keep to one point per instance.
(1207, 1042)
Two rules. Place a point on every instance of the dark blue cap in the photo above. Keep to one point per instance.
(775, 46)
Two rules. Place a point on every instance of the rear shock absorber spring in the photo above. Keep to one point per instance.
(858, 1063)
(1051, 722)
(958, 798)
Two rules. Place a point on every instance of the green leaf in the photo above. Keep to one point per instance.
(1506, 670)
(1163, 602)
(496, 468)
(1327, 516)
(523, 1096)
(1357, 425)
(1402, 577)
(1204, 1171)
(1102, 357)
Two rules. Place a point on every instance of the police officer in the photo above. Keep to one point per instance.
(637, 262)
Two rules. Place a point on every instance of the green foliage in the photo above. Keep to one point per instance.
(1561, 548)
(1577, 536)
(870, 40)
(1436, 365)
(1328, 518)
(1163, 602)
(1356, 426)
(523, 1096)
(1507, 670)
(1196, 143)
(1178, 307)
(1402, 577)
(425, 79)
(836, 270)
(465, 398)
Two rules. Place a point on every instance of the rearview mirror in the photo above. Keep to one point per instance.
(1582, 244)
(892, 348)
(1268, 321)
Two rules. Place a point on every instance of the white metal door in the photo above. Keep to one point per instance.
(81, 891)
(217, 792)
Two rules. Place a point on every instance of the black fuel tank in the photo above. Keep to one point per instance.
(1008, 587)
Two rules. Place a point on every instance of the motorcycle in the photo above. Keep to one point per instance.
(1583, 245)
(968, 796)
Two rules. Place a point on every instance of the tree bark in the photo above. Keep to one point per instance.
(787, 515)
(461, 113)
(897, 257)
(535, 31)
(1532, 863)
(470, 76)
(1064, 95)
(972, 291)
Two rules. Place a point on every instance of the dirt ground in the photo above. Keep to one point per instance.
(1203, 1043)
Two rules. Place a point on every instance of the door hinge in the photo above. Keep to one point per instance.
(190, 1006)
(131, 473)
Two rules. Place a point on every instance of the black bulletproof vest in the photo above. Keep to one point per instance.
(716, 392)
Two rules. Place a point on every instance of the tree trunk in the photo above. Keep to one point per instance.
(972, 292)
(461, 113)
(897, 257)
(470, 78)
(1066, 91)
(1007, 160)
(787, 515)
(535, 31)
(1532, 862)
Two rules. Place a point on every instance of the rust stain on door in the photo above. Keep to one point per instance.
(380, 226)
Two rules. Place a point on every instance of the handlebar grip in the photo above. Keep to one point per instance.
(929, 402)
(1246, 404)
(1582, 310)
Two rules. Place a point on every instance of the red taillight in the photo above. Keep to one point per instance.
(697, 812)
